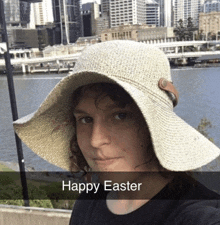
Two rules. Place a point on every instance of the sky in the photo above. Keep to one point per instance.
(85, 1)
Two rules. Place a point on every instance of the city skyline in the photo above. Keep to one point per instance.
(87, 1)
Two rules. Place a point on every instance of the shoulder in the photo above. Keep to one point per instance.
(196, 212)
(195, 205)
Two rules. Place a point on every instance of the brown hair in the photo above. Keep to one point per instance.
(120, 97)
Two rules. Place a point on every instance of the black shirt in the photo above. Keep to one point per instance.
(179, 203)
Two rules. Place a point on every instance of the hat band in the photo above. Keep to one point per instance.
(171, 90)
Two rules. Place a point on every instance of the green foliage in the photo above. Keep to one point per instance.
(59, 198)
(184, 33)
(5, 179)
(11, 194)
(203, 126)
(4, 168)
(41, 194)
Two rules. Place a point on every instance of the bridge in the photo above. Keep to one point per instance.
(185, 43)
(28, 63)
(173, 50)
(192, 54)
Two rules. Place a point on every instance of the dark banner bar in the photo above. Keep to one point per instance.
(69, 186)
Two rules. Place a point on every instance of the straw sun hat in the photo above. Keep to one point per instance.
(138, 68)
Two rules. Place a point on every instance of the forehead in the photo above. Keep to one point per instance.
(101, 100)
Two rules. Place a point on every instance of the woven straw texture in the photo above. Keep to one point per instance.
(137, 67)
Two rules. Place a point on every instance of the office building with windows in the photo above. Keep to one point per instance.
(183, 9)
(166, 13)
(152, 13)
(209, 23)
(68, 20)
(12, 12)
(211, 6)
(25, 10)
(105, 6)
(42, 13)
(90, 15)
(127, 12)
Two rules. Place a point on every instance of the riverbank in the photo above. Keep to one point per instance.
(4, 168)
(196, 65)
(49, 71)
(12, 167)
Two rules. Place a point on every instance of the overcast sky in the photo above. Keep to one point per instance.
(85, 1)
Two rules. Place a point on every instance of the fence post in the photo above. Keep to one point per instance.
(13, 104)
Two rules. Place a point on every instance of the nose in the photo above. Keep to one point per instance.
(100, 135)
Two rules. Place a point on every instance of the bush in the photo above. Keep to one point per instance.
(60, 199)
(11, 193)
(203, 126)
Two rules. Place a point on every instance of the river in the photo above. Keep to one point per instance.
(199, 90)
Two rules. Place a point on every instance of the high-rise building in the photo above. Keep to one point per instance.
(68, 20)
(42, 13)
(127, 12)
(12, 12)
(17, 12)
(183, 9)
(86, 16)
(211, 6)
(152, 13)
(25, 9)
(104, 21)
(166, 13)
(105, 6)
(95, 15)
(90, 13)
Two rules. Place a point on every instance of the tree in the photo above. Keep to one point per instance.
(218, 35)
(190, 23)
(179, 31)
(203, 126)
(185, 33)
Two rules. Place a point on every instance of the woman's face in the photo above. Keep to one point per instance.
(112, 138)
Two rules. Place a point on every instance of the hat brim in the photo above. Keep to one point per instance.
(48, 131)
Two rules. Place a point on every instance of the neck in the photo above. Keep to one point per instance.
(123, 202)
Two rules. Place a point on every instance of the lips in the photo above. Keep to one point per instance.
(105, 161)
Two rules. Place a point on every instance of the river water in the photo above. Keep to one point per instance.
(199, 90)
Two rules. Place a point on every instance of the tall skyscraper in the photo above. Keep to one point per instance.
(25, 9)
(127, 12)
(12, 12)
(17, 12)
(152, 13)
(42, 13)
(211, 6)
(166, 13)
(105, 6)
(68, 20)
(91, 16)
(183, 9)
(87, 20)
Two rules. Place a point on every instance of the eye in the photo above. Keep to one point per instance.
(121, 116)
(86, 120)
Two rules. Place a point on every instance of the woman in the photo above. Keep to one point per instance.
(114, 113)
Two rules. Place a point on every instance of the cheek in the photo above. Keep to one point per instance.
(141, 141)
(83, 138)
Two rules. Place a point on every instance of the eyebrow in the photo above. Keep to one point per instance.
(79, 111)
(109, 107)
